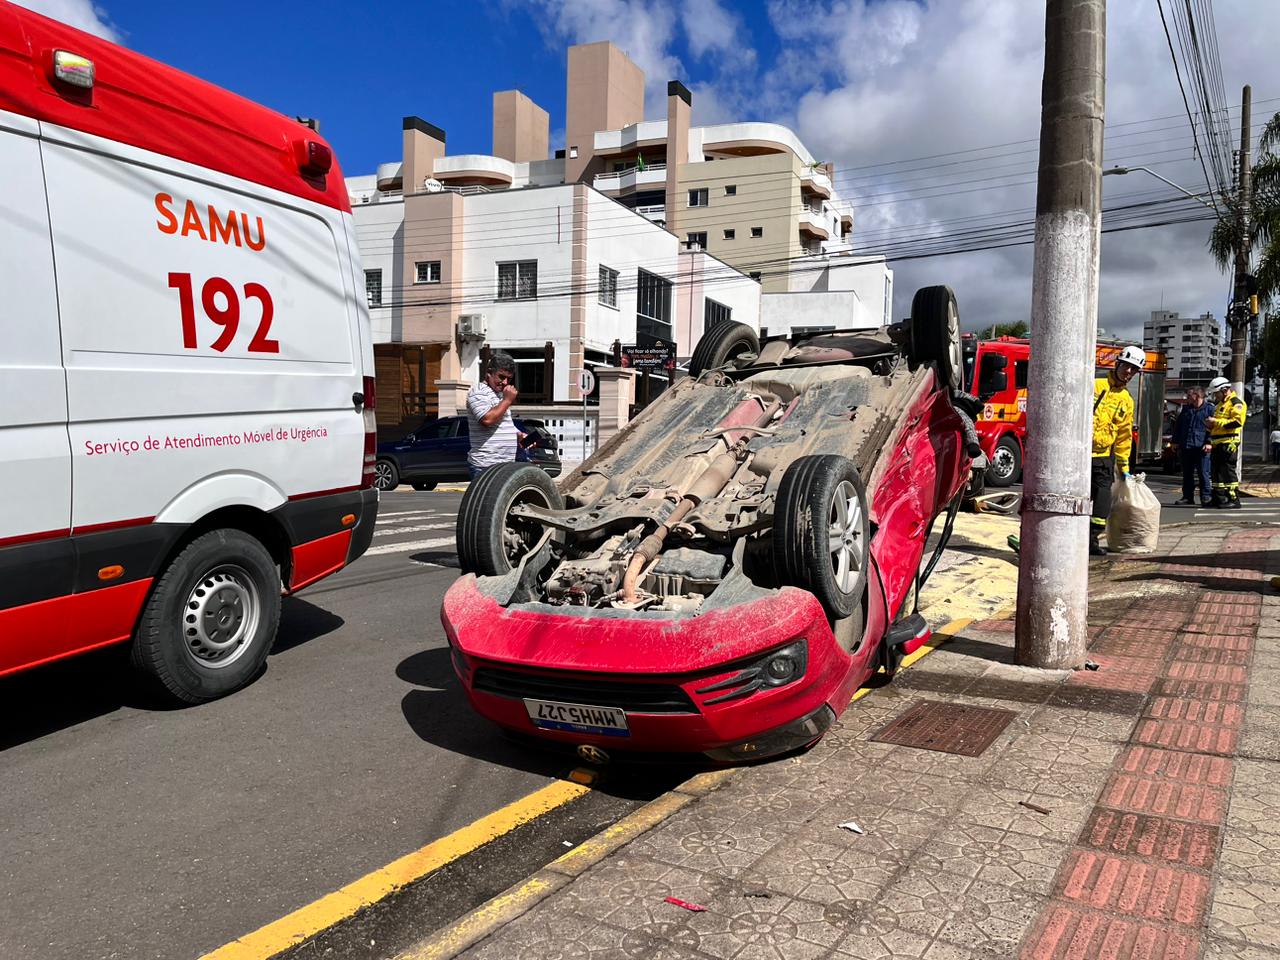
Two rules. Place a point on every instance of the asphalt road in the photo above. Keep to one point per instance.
(134, 830)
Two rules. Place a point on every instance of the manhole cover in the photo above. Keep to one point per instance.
(946, 727)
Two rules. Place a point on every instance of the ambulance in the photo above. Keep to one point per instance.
(186, 368)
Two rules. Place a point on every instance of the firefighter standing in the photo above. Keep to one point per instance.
(1226, 427)
(1112, 438)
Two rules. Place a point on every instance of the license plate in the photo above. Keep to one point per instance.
(577, 718)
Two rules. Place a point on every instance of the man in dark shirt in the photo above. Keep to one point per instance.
(1190, 434)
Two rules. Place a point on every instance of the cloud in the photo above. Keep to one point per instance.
(870, 84)
(82, 14)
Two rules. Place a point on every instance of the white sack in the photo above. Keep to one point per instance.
(1134, 524)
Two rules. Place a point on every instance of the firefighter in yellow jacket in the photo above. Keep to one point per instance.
(1112, 438)
(1226, 427)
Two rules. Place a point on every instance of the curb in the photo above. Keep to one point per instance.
(515, 901)
(467, 931)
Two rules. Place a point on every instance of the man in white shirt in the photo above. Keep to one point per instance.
(494, 438)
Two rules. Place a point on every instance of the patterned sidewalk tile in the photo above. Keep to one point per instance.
(824, 872)
(991, 855)
(1002, 808)
(1247, 912)
(1050, 718)
(1193, 653)
(1209, 672)
(1218, 948)
(986, 918)
(1118, 673)
(1068, 931)
(708, 844)
(540, 935)
(1156, 838)
(1135, 888)
(777, 928)
(1250, 854)
(1176, 766)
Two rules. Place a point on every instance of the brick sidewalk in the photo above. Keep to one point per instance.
(1132, 811)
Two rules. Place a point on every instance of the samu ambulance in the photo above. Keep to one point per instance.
(186, 391)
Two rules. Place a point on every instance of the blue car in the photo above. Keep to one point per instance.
(436, 452)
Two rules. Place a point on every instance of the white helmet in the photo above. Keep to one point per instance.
(1134, 356)
(1217, 383)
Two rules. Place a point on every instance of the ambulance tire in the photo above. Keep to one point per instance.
(489, 542)
(211, 620)
(1006, 463)
(721, 344)
(822, 532)
(935, 334)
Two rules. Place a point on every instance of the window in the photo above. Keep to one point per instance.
(698, 198)
(1020, 374)
(755, 275)
(608, 287)
(714, 314)
(518, 280)
(653, 307)
(433, 428)
(697, 240)
(373, 287)
(731, 190)
(757, 232)
(426, 271)
(730, 234)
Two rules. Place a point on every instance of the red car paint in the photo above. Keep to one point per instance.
(928, 468)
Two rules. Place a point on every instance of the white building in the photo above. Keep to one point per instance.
(1193, 345)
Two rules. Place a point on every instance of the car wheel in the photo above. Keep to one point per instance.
(385, 475)
(1006, 463)
(721, 344)
(490, 542)
(935, 333)
(821, 531)
(424, 485)
(209, 623)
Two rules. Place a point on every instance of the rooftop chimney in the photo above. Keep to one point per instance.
(604, 90)
(520, 128)
(423, 146)
(679, 109)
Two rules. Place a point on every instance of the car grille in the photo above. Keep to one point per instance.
(629, 696)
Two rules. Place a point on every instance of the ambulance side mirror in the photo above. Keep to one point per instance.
(992, 377)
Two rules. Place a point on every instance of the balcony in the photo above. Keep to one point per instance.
(475, 168)
(646, 133)
(814, 223)
(817, 182)
(622, 180)
(656, 212)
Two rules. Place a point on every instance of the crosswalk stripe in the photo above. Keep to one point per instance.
(408, 545)
(416, 528)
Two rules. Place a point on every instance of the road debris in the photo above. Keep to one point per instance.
(852, 827)
(695, 907)
(1091, 665)
(1034, 807)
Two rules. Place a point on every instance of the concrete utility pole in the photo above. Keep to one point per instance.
(1240, 313)
(1053, 582)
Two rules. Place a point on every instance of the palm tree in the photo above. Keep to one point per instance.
(1264, 218)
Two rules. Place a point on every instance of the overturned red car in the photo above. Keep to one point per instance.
(724, 573)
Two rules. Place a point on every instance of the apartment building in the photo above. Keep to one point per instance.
(1193, 345)
(718, 212)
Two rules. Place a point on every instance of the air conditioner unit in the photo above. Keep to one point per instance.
(473, 326)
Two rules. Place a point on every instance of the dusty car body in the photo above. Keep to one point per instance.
(725, 572)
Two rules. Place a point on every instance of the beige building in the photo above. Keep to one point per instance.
(653, 232)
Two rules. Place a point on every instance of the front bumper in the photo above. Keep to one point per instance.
(657, 671)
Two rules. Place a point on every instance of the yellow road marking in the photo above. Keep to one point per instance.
(307, 921)
(478, 924)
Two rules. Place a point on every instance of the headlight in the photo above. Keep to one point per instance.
(775, 669)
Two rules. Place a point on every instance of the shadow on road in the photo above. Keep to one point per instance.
(441, 716)
(47, 699)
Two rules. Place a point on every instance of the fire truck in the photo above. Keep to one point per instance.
(996, 371)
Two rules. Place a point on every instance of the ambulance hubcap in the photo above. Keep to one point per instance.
(221, 616)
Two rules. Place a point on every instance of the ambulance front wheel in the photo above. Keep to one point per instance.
(211, 619)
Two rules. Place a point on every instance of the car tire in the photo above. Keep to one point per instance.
(423, 485)
(721, 344)
(819, 494)
(386, 476)
(935, 333)
(211, 620)
(490, 545)
(1006, 463)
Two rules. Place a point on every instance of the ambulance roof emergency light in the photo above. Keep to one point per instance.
(73, 69)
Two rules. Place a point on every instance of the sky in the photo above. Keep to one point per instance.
(869, 85)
